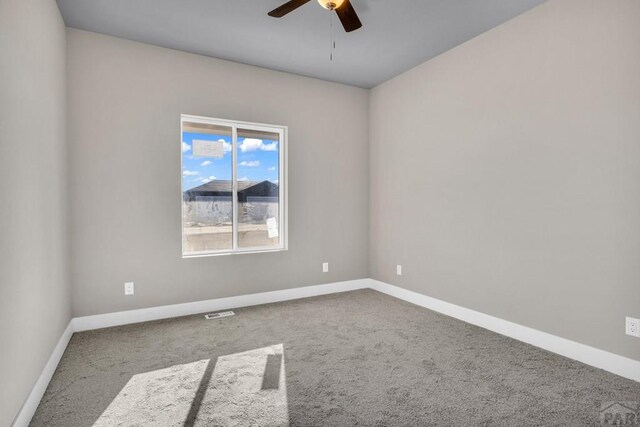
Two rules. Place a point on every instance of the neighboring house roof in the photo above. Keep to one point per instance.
(260, 189)
(220, 187)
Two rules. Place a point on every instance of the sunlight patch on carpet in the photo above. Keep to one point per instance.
(161, 397)
(240, 389)
(236, 397)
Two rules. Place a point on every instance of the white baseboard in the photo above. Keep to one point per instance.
(166, 311)
(31, 404)
(610, 362)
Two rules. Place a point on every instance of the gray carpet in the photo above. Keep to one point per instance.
(357, 358)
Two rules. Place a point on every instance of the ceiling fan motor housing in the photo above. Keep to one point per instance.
(347, 15)
(331, 4)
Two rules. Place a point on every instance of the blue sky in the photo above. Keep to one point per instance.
(257, 161)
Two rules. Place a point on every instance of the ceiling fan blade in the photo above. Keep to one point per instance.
(348, 17)
(289, 6)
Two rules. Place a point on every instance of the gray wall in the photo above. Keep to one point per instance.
(505, 173)
(505, 177)
(34, 286)
(125, 100)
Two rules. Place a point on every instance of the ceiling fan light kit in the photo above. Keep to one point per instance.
(343, 8)
(331, 5)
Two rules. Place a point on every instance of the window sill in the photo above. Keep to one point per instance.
(225, 253)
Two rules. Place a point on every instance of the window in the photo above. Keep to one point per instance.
(233, 187)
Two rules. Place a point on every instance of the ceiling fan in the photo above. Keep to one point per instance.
(346, 13)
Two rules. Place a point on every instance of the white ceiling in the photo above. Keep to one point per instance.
(396, 34)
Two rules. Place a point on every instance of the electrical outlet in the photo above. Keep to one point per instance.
(325, 267)
(633, 327)
(128, 288)
(399, 270)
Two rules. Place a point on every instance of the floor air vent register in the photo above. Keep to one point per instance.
(219, 315)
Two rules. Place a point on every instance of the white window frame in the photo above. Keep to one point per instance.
(283, 243)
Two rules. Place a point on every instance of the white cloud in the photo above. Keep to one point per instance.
(187, 172)
(185, 147)
(205, 163)
(251, 164)
(275, 181)
(252, 144)
(271, 169)
(244, 178)
(270, 147)
(203, 180)
(226, 146)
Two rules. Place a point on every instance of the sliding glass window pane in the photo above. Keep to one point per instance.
(258, 188)
(207, 188)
